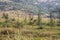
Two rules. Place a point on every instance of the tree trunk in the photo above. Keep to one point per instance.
(39, 21)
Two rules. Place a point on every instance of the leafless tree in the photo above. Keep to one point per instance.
(6, 18)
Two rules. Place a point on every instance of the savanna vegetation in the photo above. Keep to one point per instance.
(23, 26)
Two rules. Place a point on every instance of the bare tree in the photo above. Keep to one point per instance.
(57, 10)
(58, 16)
(30, 17)
(39, 19)
(17, 23)
(51, 23)
(6, 18)
(51, 20)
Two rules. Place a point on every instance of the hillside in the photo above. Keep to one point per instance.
(29, 5)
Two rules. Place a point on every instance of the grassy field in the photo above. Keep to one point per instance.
(27, 32)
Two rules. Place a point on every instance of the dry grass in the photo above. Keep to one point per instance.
(27, 34)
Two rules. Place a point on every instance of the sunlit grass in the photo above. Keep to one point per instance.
(30, 32)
